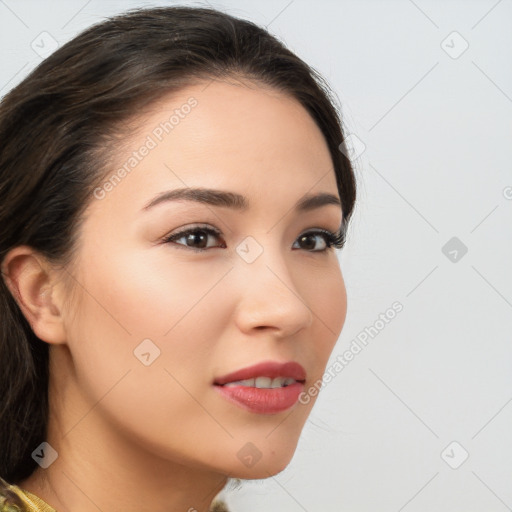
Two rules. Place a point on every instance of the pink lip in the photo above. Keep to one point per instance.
(264, 401)
(270, 369)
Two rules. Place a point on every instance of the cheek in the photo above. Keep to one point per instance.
(179, 311)
(168, 309)
(327, 298)
(329, 301)
(335, 301)
(149, 292)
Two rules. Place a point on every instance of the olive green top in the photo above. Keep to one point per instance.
(16, 499)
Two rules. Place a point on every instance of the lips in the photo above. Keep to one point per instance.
(264, 400)
(270, 369)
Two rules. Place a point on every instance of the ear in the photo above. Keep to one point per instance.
(32, 282)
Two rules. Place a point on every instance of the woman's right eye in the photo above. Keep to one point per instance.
(195, 238)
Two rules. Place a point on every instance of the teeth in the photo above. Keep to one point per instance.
(263, 382)
(267, 382)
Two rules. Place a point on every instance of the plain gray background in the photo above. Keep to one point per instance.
(426, 95)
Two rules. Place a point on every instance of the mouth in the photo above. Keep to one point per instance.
(265, 388)
(263, 382)
(267, 374)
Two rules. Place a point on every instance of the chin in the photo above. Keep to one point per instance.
(256, 465)
(259, 472)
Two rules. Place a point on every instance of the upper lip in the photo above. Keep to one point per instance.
(270, 369)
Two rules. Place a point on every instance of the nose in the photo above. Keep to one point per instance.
(269, 298)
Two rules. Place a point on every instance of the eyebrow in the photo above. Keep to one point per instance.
(236, 201)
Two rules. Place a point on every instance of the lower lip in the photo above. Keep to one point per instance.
(263, 401)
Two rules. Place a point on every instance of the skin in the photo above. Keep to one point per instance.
(160, 437)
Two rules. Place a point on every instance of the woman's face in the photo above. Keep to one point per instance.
(160, 321)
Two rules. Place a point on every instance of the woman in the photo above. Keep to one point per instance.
(173, 187)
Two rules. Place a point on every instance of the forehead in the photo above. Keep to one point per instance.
(236, 136)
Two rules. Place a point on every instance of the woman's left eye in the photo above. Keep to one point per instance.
(197, 239)
(329, 239)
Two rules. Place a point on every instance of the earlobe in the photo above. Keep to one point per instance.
(30, 280)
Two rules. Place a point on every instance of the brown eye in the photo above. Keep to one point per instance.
(198, 238)
(195, 238)
(328, 239)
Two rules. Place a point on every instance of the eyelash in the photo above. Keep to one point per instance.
(332, 240)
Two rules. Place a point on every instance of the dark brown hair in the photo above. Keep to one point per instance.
(58, 130)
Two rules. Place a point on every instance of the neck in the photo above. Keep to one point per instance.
(108, 475)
